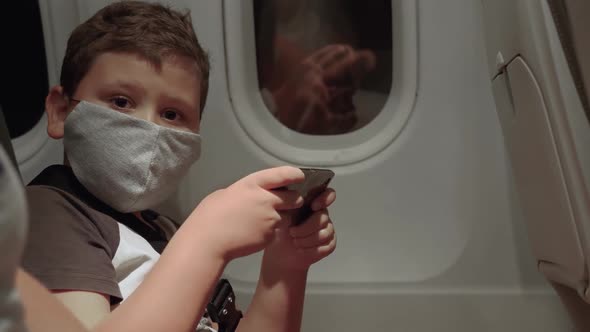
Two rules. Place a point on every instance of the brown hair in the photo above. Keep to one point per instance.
(150, 30)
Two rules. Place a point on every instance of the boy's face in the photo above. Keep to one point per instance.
(168, 96)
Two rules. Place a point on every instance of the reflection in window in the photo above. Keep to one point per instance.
(324, 67)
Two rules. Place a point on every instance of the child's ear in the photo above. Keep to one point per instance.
(56, 106)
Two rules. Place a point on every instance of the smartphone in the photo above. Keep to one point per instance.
(316, 181)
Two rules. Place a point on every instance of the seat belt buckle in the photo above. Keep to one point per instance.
(222, 308)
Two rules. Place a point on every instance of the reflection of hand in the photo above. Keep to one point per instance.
(318, 94)
(346, 66)
(241, 219)
(303, 90)
(298, 247)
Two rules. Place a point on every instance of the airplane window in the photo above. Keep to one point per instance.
(24, 67)
(324, 67)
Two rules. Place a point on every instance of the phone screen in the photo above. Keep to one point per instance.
(316, 181)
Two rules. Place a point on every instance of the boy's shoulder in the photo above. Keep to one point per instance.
(56, 192)
(78, 243)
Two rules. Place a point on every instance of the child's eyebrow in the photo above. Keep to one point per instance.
(132, 86)
(180, 103)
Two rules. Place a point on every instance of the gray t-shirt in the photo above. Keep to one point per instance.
(13, 218)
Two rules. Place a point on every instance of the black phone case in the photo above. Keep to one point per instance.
(316, 181)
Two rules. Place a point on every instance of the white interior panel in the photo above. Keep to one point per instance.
(549, 126)
(538, 171)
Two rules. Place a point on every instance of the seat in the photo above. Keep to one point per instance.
(539, 67)
(5, 139)
(572, 26)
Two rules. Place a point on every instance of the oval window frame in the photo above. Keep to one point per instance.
(314, 150)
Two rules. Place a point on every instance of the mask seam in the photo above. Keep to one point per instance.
(149, 175)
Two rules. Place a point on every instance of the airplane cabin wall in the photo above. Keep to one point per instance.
(430, 236)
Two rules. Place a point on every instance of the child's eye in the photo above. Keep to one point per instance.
(121, 102)
(170, 115)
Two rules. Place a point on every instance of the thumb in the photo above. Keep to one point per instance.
(276, 177)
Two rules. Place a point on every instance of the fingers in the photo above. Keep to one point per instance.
(321, 251)
(311, 89)
(273, 178)
(297, 99)
(366, 61)
(337, 65)
(332, 54)
(335, 61)
(286, 218)
(287, 199)
(319, 238)
(324, 200)
(319, 89)
(322, 55)
(318, 220)
(313, 119)
(342, 61)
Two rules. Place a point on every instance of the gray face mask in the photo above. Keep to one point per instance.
(129, 163)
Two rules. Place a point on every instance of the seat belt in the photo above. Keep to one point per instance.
(222, 308)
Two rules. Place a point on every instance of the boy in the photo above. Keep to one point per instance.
(133, 86)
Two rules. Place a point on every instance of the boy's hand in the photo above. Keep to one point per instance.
(241, 219)
(298, 247)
